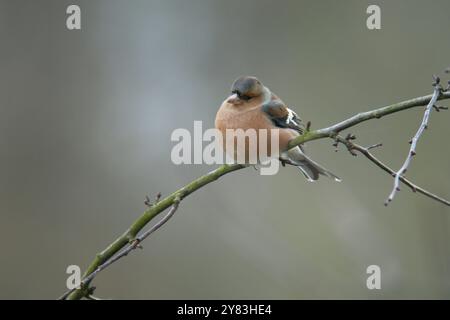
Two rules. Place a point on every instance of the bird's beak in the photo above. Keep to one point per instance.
(233, 99)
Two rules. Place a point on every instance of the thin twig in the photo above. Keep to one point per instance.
(366, 152)
(412, 150)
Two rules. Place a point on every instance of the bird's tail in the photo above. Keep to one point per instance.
(310, 169)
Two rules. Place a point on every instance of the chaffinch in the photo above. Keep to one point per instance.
(251, 105)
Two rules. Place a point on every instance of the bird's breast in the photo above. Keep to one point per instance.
(230, 117)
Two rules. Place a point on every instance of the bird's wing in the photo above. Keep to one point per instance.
(282, 116)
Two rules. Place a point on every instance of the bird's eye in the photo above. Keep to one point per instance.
(241, 95)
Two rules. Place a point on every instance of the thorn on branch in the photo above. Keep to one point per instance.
(149, 204)
(136, 243)
(352, 152)
(349, 144)
(308, 126)
(347, 141)
(91, 290)
(439, 108)
(284, 162)
(436, 79)
(335, 145)
(375, 146)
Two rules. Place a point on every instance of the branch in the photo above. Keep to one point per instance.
(412, 150)
(333, 130)
(366, 152)
(330, 132)
(136, 243)
(130, 235)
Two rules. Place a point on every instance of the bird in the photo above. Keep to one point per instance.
(252, 105)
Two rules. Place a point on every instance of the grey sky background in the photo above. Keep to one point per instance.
(85, 124)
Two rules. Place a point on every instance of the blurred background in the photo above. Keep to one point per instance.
(85, 124)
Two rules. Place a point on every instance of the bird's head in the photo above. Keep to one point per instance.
(245, 89)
